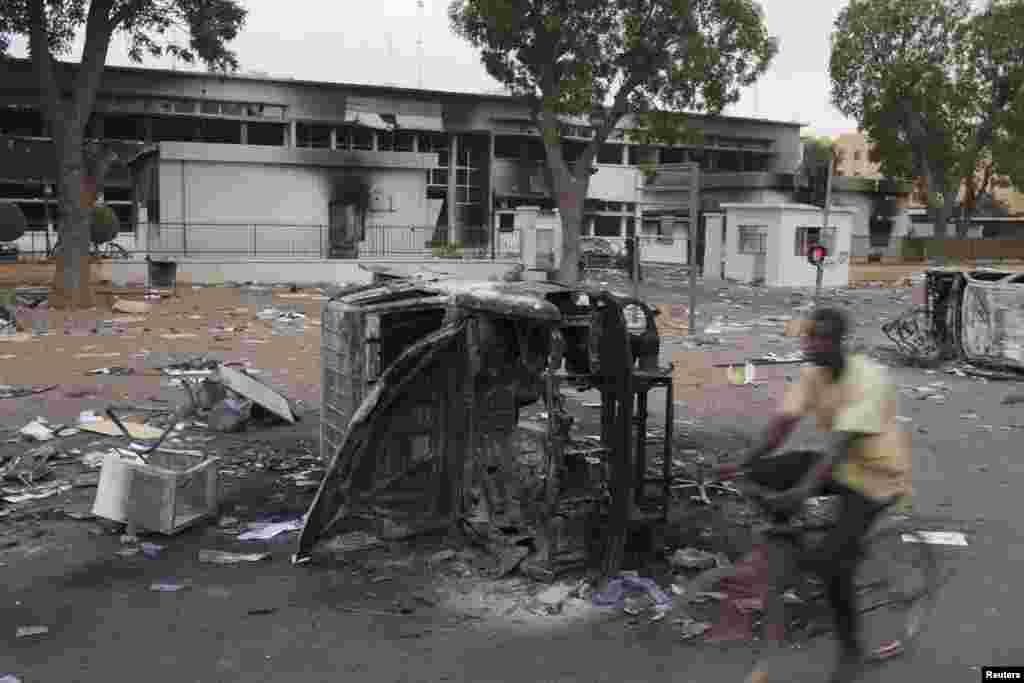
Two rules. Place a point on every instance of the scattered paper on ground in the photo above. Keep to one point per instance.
(223, 557)
(263, 532)
(937, 538)
(137, 431)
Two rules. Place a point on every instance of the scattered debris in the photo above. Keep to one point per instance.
(350, 542)
(37, 430)
(693, 559)
(224, 557)
(954, 538)
(28, 631)
(31, 466)
(151, 550)
(442, 556)
(47, 490)
(257, 392)
(615, 591)
(9, 391)
(553, 597)
(267, 530)
(691, 628)
(169, 586)
(107, 427)
(115, 371)
(229, 415)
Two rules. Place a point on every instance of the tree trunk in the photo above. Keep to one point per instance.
(72, 287)
(570, 195)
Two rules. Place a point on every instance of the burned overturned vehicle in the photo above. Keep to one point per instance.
(977, 316)
(423, 387)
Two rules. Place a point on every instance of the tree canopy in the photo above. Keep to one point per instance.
(608, 59)
(51, 26)
(934, 84)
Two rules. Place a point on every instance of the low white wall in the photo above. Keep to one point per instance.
(196, 271)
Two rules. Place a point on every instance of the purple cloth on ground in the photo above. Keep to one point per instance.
(616, 589)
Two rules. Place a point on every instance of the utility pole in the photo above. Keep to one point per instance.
(824, 225)
(691, 243)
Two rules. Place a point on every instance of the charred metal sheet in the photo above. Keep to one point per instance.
(993, 321)
(508, 305)
(336, 489)
(913, 334)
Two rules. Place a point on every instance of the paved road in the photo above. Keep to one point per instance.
(106, 625)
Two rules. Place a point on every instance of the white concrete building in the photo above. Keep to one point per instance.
(769, 243)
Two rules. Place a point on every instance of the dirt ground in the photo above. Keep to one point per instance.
(193, 322)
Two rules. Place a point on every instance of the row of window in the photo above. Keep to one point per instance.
(190, 106)
(531, 149)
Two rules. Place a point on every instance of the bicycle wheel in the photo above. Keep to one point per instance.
(897, 582)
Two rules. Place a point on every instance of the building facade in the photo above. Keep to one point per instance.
(238, 163)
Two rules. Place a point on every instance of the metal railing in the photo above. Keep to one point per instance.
(291, 240)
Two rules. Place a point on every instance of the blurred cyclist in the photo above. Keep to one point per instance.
(867, 464)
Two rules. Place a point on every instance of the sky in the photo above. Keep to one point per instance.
(377, 43)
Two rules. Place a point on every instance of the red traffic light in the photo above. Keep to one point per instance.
(816, 255)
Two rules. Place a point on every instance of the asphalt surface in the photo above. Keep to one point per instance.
(271, 621)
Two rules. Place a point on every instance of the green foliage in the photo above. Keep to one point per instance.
(445, 249)
(12, 222)
(104, 225)
(642, 57)
(933, 83)
(209, 24)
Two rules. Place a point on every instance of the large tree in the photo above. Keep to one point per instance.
(933, 84)
(605, 60)
(66, 106)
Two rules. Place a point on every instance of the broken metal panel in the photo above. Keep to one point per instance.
(356, 458)
(993, 321)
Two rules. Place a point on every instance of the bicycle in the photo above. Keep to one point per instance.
(880, 579)
(108, 250)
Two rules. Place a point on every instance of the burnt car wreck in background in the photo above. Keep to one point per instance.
(423, 387)
(977, 316)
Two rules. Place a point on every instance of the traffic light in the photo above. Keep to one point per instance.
(816, 255)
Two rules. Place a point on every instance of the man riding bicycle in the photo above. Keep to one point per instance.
(867, 464)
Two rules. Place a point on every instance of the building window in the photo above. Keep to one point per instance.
(808, 237)
(177, 129)
(506, 222)
(221, 131)
(124, 127)
(21, 121)
(856, 156)
(673, 155)
(507, 147)
(362, 138)
(607, 226)
(312, 135)
(404, 140)
(386, 141)
(610, 154)
(268, 134)
(729, 162)
(753, 239)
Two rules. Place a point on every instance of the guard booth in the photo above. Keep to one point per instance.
(768, 243)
